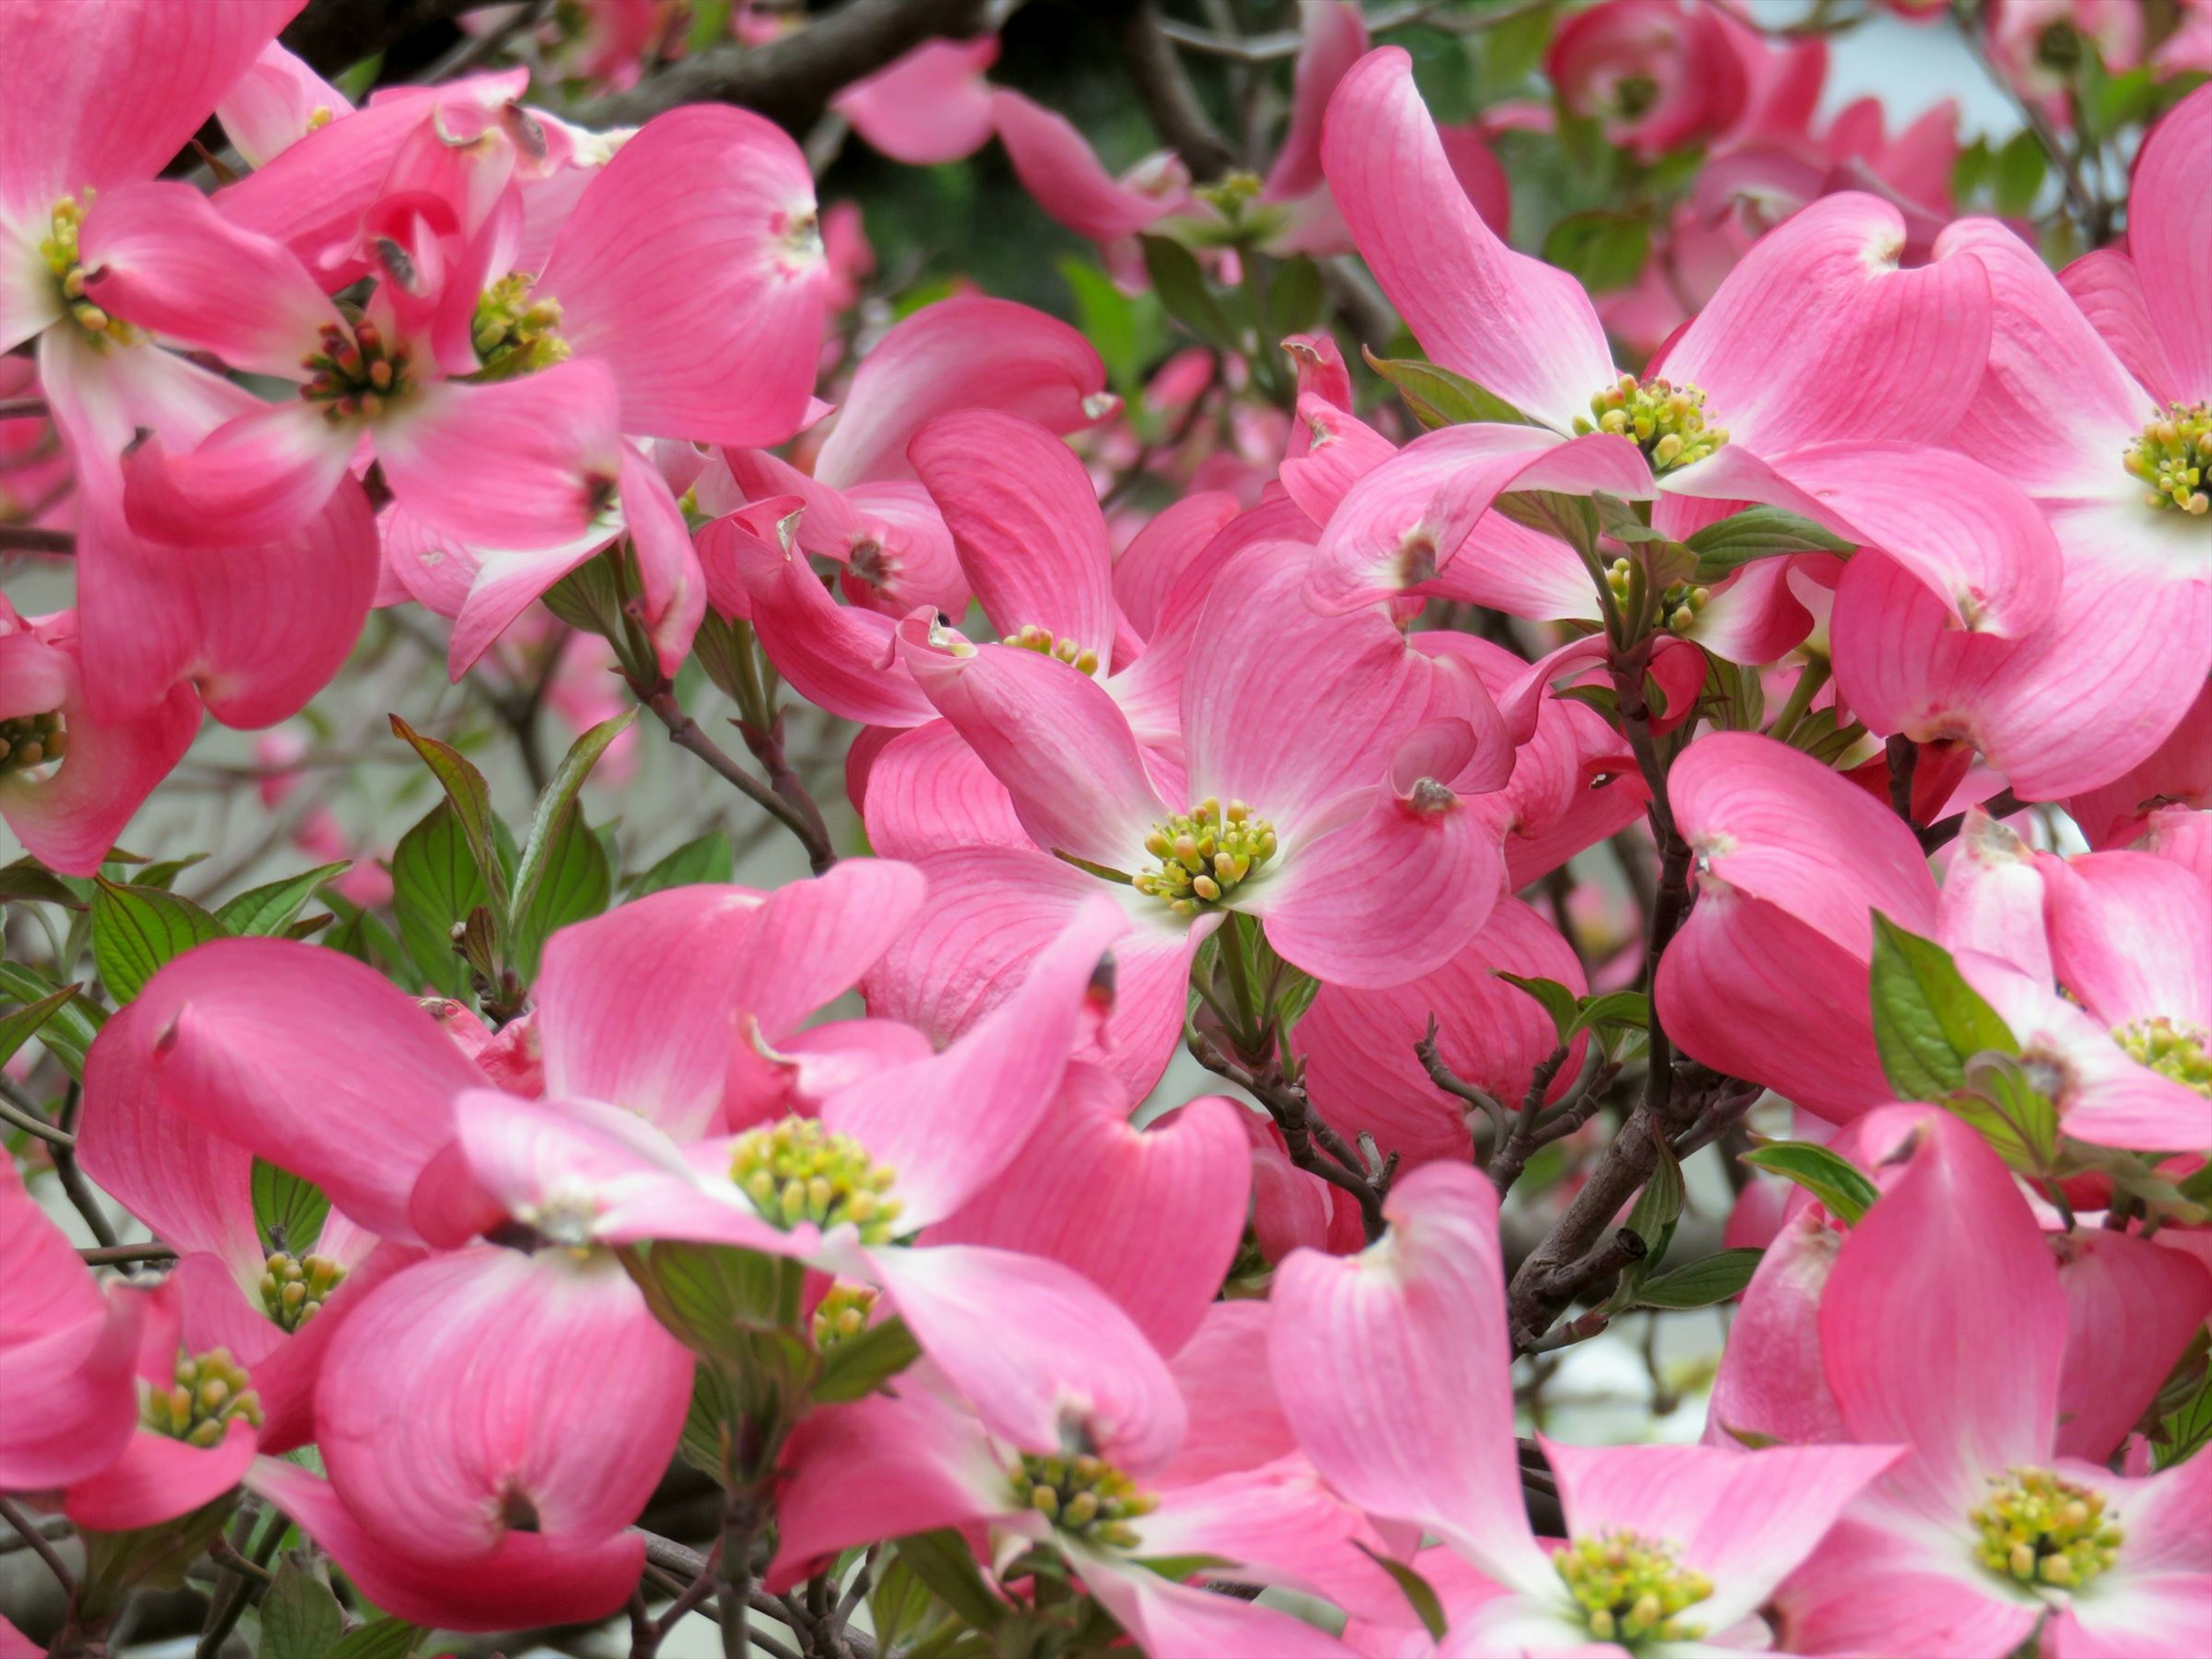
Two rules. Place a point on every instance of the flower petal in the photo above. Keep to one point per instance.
(2169, 230)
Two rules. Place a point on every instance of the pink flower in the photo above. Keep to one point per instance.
(274, 104)
(2037, 45)
(1393, 1367)
(931, 106)
(1660, 74)
(2097, 405)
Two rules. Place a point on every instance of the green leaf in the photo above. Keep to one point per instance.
(706, 1439)
(860, 1365)
(289, 1209)
(1294, 298)
(1658, 1207)
(264, 912)
(164, 874)
(20, 1027)
(1444, 71)
(470, 796)
(2010, 1112)
(1700, 1284)
(555, 807)
(146, 1558)
(708, 861)
(573, 885)
(1842, 1189)
(1613, 1010)
(1758, 532)
(940, 1560)
(1420, 1594)
(1177, 278)
(1124, 328)
(1604, 250)
(27, 879)
(1971, 170)
(2187, 1432)
(1438, 396)
(1570, 519)
(710, 1295)
(435, 882)
(899, 1604)
(68, 1031)
(2020, 167)
(1928, 1021)
(1177, 1568)
(380, 1639)
(1561, 1004)
(138, 931)
(300, 1617)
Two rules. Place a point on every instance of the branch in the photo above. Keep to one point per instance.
(125, 1255)
(1156, 74)
(791, 80)
(686, 733)
(1302, 1127)
(35, 1538)
(332, 33)
(23, 538)
(22, 408)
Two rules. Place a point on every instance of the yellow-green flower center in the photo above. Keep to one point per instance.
(1084, 1496)
(354, 372)
(293, 1288)
(1204, 856)
(797, 1170)
(1631, 1589)
(1030, 637)
(2037, 1529)
(1679, 604)
(842, 1313)
(515, 334)
(2172, 1050)
(59, 250)
(209, 1390)
(2172, 458)
(30, 740)
(1665, 421)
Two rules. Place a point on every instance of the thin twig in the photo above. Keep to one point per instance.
(125, 1255)
(31, 1124)
(28, 538)
(35, 1540)
(22, 408)
(1157, 75)
(686, 733)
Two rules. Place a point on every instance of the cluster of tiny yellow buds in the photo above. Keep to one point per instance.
(2173, 456)
(293, 1288)
(515, 334)
(1680, 605)
(30, 740)
(2038, 1529)
(1631, 1589)
(2172, 1050)
(842, 1313)
(1665, 421)
(1204, 854)
(354, 374)
(58, 248)
(1030, 637)
(797, 1170)
(210, 1389)
(1230, 194)
(1083, 1495)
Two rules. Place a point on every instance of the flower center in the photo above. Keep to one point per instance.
(58, 249)
(842, 1313)
(797, 1170)
(1679, 604)
(1030, 637)
(515, 334)
(1630, 1588)
(354, 374)
(30, 740)
(2038, 1529)
(1083, 1495)
(1204, 856)
(293, 1288)
(1665, 421)
(2172, 1050)
(196, 1407)
(2171, 458)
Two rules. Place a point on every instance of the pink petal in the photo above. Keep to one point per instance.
(930, 106)
(1820, 334)
(1058, 167)
(1152, 1218)
(1943, 1324)
(1236, 1421)
(1992, 898)
(2131, 937)
(1392, 1365)
(928, 791)
(259, 478)
(720, 200)
(491, 1416)
(525, 1576)
(2177, 776)
(1026, 522)
(1149, 567)
(502, 583)
(1520, 328)
(1771, 1380)
(2131, 1308)
(2105, 285)
(309, 1058)
(274, 104)
(1036, 1350)
(1168, 1619)
(520, 463)
(1936, 1600)
(157, 1479)
(2169, 227)
(1330, 449)
(967, 352)
(2154, 1600)
(1336, 38)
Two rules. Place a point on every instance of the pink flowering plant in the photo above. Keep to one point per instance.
(1430, 869)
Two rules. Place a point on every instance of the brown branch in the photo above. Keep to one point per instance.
(686, 733)
(791, 80)
(766, 745)
(332, 33)
(1157, 75)
(1303, 1130)
(22, 408)
(36, 1540)
(27, 539)
(125, 1255)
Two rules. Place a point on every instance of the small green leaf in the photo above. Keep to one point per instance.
(706, 1439)
(470, 796)
(706, 862)
(1758, 532)
(67, 1032)
(1971, 170)
(1124, 328)
(860, 1365)
(300, 1617)
(1603, 251)
(138, 931)
(1294, 298)
(574, 884)
(27, 879)
(1561, 1004)
(1658, 1207)
(1612, 1010)
(940, 1560)
(1700, 1284)
(435, 882)
(1181, 284)
(1570, 519)
(164, 874)
(2186, 1431)
(20, 1027)
(1928, 1021)
(2020, 165)
(2010, 1112)
(1842, 1189)
(1178, 1568)
(1420, 1594)
(146, 1558)
(265, 912)
(1438, 396)
(289, 1209)
(554, 806)
(380, 1639)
